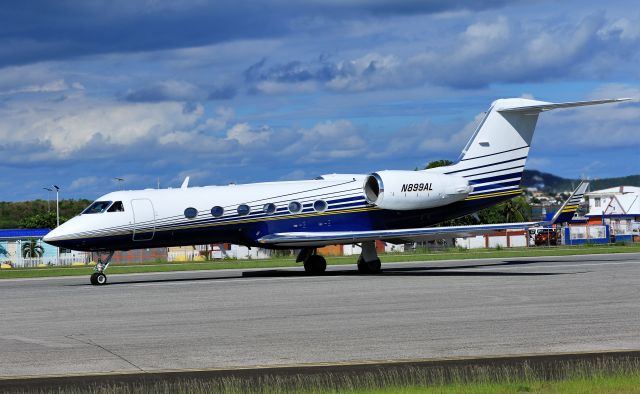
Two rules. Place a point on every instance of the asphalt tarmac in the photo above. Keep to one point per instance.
(245, 318)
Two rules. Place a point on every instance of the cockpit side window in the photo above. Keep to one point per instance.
(116, 207)
(97, 207)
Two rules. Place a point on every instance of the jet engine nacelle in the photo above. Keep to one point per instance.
(407, 190)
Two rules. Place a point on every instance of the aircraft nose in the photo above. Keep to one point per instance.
(51, 236)
(56, 235)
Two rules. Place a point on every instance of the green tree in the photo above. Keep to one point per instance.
(12, 214)
(32, 248)
(438, 163)
(41, 220)
(515, 210)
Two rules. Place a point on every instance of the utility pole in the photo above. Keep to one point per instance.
(57, 205)
(57, 220)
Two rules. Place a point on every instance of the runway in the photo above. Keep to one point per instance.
(242, 318)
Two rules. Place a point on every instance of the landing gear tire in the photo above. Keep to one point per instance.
(98, 279)
(369, 267)
(315, 265)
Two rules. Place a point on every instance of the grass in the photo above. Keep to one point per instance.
(419, 255)
(599, 375)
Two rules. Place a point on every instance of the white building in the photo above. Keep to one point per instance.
(619, 207)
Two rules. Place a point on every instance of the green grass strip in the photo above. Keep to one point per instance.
(451, 254)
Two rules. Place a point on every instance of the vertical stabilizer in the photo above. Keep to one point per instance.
(494, 158)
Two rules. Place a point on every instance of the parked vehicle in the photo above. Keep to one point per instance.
(544, 236)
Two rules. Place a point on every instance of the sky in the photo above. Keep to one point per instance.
(239, 91)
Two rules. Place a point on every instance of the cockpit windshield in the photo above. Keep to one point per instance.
(97, 207)
(116, 207)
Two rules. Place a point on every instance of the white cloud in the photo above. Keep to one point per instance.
(83, 182)
(245, 135)
(58, 85)
(69, 126)
(366, 72)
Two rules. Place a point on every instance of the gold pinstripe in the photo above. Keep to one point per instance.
(497, 194)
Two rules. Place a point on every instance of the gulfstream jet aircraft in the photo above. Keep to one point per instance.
(331, 209)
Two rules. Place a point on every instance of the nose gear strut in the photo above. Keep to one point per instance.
(98, 278)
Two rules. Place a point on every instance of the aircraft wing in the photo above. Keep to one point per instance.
(300, 239)
(313, 238)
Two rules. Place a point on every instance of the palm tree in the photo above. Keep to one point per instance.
(515, 210)
(31, 248)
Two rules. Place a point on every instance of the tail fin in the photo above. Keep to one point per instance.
(493, 160)
(566, 211)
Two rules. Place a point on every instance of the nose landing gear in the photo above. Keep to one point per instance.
(98, 278)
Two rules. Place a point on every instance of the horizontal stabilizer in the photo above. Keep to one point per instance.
(550, 106)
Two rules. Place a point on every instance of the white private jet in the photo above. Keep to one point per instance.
(331, 209)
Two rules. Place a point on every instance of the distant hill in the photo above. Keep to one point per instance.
(554, 184)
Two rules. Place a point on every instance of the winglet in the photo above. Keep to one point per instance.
(566, 211)
(185, 184)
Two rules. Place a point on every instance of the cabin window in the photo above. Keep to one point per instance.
(597, 202)
(320, 206)
(269, 208)
(243, 209)
(117, 206)
(97, 207)
(217, 211)
(295, 207)
(190, 213)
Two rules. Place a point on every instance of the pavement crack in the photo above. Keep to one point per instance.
(90, 342)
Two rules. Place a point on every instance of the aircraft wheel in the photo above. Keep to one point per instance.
(315, 265)
(98, 279)
(369, 267)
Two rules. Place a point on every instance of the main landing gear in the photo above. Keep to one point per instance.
(314, 264)
(98, 278)
(368, 262)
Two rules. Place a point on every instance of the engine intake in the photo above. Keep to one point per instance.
(408, 190)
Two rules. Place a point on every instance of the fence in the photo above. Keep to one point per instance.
(578, 235)
(24, 262)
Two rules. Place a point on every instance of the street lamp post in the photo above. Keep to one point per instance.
(57, 220)
(57, 205)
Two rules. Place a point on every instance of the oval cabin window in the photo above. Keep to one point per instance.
(295, 207)
(217, 211)
(320, 206)
(190, 213)
(243, 210)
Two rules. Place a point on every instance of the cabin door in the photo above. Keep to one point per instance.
(144, 219)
